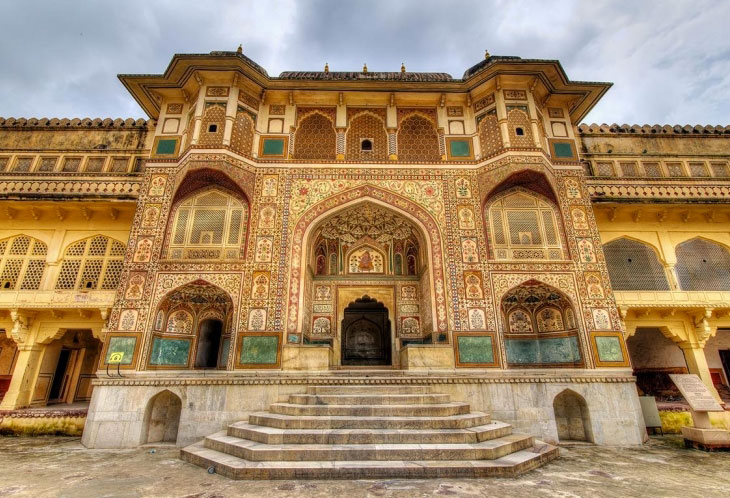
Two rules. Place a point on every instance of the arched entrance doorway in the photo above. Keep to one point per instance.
(365, 333)
(369, 248)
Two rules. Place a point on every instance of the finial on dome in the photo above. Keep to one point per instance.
(486, 54)
(402, 67)
(326, 67)
(365, 68)
(239, 50)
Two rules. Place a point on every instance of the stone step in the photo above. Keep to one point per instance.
(273, 435)
(369, 389)
(368, 399)
(433, 410)
(254, 451)
(233, 467)
(282, 421)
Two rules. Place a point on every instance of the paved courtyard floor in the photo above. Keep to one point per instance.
(56, 466)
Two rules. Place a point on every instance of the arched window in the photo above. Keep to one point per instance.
(209, 225)
(634, 266)
(539, 327)
(524, 225)
(703, 266)
(90, 264)
(22, 262)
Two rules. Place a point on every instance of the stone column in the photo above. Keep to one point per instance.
(198, 118)
(25, 375)
(393, 144)
(502, 118)
(694, 355)
(340, 145)
(231, 110)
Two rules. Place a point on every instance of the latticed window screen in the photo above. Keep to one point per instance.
(94, 263)
(22, 264)
(653, 170)
(95, 164)
(698, 169)
(675, 169)
(524, 226)
(604, 169)
(629, 169)
(703, 266)
(634, 266)
(23, 164)
(47, 164)
(719, 170)
(4, 161)
(119, 165)
(209, 225)
(71, 164)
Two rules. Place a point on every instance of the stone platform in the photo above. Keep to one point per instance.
(359, 432)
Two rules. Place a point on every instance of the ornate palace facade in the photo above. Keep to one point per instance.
(259, 234)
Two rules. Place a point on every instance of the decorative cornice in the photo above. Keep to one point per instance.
(272, 379)
(625, 129)
(75, 187)
(669, 191)
(75, 123)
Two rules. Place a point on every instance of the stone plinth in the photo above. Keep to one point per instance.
(706, 439)
(305, 357)
(426, 356)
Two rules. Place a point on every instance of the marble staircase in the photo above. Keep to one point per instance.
(361, 432)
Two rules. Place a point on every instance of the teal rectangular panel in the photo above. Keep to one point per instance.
(259, 350)
(563, 150)
(460, 148)
(475, 349)
(170, 352)
(551, 350)
(166, 146)
(273, 147)
(124, 345)
(609, 348)
(225, 347)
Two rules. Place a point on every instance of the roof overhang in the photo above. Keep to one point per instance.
(186, 72)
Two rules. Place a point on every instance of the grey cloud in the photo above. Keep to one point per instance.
(670, 61)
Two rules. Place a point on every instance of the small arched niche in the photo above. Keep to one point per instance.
(162, 418)
(572, 417)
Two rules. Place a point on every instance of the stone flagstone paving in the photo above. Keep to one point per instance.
(62, 467)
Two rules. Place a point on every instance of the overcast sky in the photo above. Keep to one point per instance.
(669, 60)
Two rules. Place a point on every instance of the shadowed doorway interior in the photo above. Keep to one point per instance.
(366, 333)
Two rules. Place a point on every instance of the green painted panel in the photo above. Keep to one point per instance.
(563, 150)
(552, 350)
(166, 146)
(475, 349)
(170, 351)
(124, 345)
(609, 348)
(273, 146)
(460, 148)
(226, 345)
(259, 350)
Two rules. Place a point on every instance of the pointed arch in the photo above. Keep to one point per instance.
(524, 224)
(535, 328)
(315, 137)
(366, 125)
(210, 222)
(634, 265)
(187, 309)
(92, 263)
(703, 265)
(418, 139)
(309, 219)
(22, 262)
